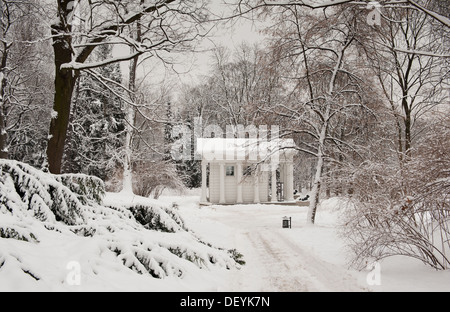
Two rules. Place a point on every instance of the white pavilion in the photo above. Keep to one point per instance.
(246, 171)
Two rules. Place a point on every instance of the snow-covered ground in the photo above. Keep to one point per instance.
(303, 258)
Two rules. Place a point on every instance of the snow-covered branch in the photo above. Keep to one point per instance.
(74, 65)
(423, 53)
(444, 20)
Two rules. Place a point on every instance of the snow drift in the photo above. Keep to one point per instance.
(49, 221)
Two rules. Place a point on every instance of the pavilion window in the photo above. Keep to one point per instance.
(230, 171)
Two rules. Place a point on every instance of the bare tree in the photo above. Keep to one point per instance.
(136, 34)
(327, 89)
(339, 90)
(402, 211)
(413, 83)
(240, 86)
(431, 8)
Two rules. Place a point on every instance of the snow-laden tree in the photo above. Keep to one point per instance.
(97, 127)
(144, 171)
(24, 89)
(318, 38)
(328, 93)
(399, 204)
(81, 26)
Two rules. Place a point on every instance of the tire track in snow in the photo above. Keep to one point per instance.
(277, 272)
(277, 262)
(282, 265)
(316, 274)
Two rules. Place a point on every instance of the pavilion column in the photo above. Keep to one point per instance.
(239, 184)
(203, 198)
(256, 187)
(274, 184)
(222, 184)
(289, 181)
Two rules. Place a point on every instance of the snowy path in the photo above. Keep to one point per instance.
(279, 260)
(285, 266)
(304, 258)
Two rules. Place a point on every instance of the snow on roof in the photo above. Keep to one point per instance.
(242, 149)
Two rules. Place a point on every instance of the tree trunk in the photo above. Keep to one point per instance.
(3, 135)
(317, 178)
(127, 183)
(323, 135)
(407, 122)
(5, 25)
(3, 83)
(64, 86)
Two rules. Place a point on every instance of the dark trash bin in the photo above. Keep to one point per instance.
(287, 222)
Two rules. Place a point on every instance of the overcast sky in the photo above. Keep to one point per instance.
(192, 67)
(231, 35)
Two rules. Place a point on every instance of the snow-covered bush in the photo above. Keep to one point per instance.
(87, 188)
(157, 218)
(152, 178)
(403, 209)
(142, 234)
(177, 242)
(24, 189)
